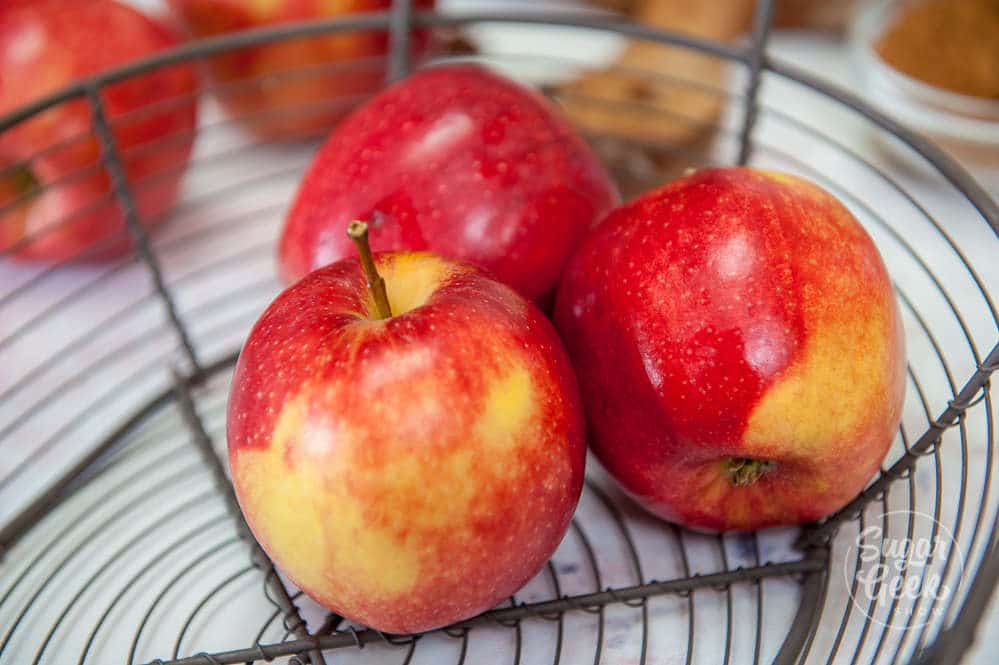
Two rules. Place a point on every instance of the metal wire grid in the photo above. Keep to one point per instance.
(102, 543)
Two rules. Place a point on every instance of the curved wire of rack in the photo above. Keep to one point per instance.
(98, 542)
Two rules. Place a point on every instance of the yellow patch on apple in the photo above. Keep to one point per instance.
(810, 408)
(378, 545)
(509, 407)
(410, 279)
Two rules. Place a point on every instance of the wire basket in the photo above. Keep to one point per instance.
(121, 538)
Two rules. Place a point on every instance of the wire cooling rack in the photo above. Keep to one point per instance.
(121, 541)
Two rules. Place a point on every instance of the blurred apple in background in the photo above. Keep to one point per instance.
(738, 347)
(299, 87)
(458, 160)
(44, 46)
(411, 471)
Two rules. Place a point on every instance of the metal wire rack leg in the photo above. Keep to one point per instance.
(145, 252)
(119, 183)
(293, 618)
(762, 19)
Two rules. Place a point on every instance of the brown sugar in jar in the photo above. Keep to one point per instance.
(949, 44)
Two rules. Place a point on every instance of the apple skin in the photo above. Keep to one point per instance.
(299, 104)
(460, 161)
(408, 472)
(735, 314)
(45, 45)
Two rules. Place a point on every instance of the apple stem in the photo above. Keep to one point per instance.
(743, 471)
(358, 232)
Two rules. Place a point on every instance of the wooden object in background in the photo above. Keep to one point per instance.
(667, 100)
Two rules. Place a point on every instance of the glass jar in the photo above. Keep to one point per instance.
(966, 127)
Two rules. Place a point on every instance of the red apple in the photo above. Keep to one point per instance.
(45, 45)
(313, 81)
(411, 471)
(456, 160)
(739, 349)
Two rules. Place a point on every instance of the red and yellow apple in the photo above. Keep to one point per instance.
(411, 471)
(55, 200)
(739, 349)
(460, 161)
(296, 87)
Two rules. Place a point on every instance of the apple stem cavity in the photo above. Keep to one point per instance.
(743, 471)
(358, 232)
(20, 179)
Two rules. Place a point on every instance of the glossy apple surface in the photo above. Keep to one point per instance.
(739, 350)
(460, 161)
(55, 198)
(413, 471)
(297, 87)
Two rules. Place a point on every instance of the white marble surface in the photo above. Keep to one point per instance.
(75, 417)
